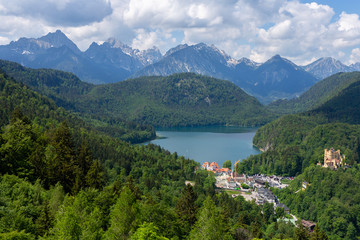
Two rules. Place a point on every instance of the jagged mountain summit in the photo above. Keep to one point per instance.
(111, 61)
(276, 78)
(114, 61)
(199, 58)
(279, 78)
(325, 67)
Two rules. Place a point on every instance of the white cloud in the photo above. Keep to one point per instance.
(145, 40)
(257, 29)
(355, 56)
(55, 12)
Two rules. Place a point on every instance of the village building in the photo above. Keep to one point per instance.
(286, 209)
(265, 195)
(308, 225)
(333, 159)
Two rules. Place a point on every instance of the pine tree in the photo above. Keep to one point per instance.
(186, 207)
(95, 176)
(45, 221)
(122, 217)
(300, 232)
(210, 225)
(62, 166)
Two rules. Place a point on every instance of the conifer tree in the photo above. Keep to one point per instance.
(210, 225)
(318, 234)
(95, 176)
(186, 207)
(62, 166)
(122, 217)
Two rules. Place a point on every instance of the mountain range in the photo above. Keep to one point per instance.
(113, 61)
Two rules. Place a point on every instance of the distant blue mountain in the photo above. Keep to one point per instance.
(110, 62)
(113, 61)
(325, 67)
(276, 78)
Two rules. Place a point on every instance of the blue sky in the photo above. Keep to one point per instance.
(299, 30)
(349, 6)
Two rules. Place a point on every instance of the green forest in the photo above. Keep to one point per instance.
(69, 168)
(294, 144)
(184, 99)
(332, 199)
(62, 177)
(317, 95)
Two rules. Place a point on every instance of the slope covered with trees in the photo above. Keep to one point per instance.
(294, 144)
(304, 136)
(317, 95)
(63, 88)
(60, 178)
(331, 199)
(177, 100)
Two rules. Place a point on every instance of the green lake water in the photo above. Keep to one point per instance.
(208, 144)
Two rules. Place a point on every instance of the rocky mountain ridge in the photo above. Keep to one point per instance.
(114, 61)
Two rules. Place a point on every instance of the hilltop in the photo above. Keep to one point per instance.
(185, 99)
(317, 95)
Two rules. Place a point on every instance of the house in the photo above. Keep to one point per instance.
(266, 195)
(210, 166)
(286, 209)
(260, 182)
(214, 166)
(205, 165)
(308, 225)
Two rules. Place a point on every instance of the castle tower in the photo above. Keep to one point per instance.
(333, 159)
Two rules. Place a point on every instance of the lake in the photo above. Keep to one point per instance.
(208, 144)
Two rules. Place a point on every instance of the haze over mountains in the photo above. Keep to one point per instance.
(113, 61)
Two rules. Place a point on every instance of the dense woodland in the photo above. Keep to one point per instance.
(38, 107)
(178, 100)
(67, 173)
(332, 199)
(317, 95)
(294, 144)
(63, 178)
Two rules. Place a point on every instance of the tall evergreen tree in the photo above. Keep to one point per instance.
(318, 234)
(210, 225)
(122, 217)
(95, 176)
(186, 207)
(62, 166)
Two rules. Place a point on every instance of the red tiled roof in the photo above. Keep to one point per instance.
(214, 164)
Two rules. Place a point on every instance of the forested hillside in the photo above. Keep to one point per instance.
(332, 199)
(305, 135)
(317, 95)
(294, 144)
(177, 100)
(60, 178)
(63, 88)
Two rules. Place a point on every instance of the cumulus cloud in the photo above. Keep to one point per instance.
(55, 12)
(257, 29)
(355, 56)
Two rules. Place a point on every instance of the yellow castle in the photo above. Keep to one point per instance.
(333, 159)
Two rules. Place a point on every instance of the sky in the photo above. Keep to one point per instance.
(299, 30)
